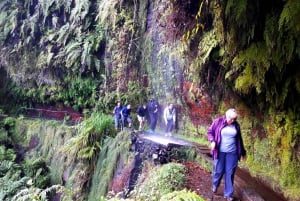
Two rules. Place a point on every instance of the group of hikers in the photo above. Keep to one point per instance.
(148, 111)
(224, 135)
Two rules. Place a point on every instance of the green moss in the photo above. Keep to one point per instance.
(277, 148)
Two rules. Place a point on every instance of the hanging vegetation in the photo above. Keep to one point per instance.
(50, 40)
(265, 50)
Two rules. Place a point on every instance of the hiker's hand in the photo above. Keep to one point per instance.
(212, 145)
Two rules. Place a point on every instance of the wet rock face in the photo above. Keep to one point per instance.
(157, 151)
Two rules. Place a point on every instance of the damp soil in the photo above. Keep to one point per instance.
(199, 180)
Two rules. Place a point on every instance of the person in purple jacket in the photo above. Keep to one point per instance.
(227, 148)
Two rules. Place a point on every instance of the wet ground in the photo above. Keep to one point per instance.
(198, 180)
(247, 188)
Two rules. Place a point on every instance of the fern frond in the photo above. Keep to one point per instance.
(208, 42)
(237, 9)
(5, 166)
(80, 10)
(254, 63)
(28, 194)
(73, 53)
(107, 11)
(290, 16)
(92, 133)
(63, 34)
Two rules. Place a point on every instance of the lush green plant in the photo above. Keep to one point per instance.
(76, 92)
(63, 45)
(182, 195)
(277, 147)
(165, 179)
(7, 154)
(92, 133)
(36, 194)
(38, 171)
(16, 178)
(263, 60)
(11, 179)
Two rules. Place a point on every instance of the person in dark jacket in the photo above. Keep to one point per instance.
(227, 148)
(153, 108)
(141, 115)
(125, 113)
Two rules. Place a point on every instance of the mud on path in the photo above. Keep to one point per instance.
(199, 180)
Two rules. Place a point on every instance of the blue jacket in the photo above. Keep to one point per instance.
(125, 112)
(117, 111)
(214, 135)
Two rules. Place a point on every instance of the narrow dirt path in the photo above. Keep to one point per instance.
(198, 180)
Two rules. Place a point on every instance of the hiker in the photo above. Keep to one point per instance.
(227, 148)
(141, 115)
(117, 115)
(125, 114)
(153, 107)
(170, 118)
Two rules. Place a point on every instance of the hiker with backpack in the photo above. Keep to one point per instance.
(153, 110)
(141, 115)
(125, 113)
(169, 118)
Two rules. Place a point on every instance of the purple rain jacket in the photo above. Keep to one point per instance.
(214, 135)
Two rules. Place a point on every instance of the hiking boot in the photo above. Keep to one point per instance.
(229, 198)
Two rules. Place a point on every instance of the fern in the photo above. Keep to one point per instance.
(254, 64)
(64, 34)
(297, 82)
(9, 22)
(80, 10)
(38, 171)
(10, 179)
(73, 53)
(290, 16)
(6, 165)
(7, 154)
(208, 43)
(92, 133)
(33, 193)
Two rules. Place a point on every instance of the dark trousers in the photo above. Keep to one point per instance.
(153, 121)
